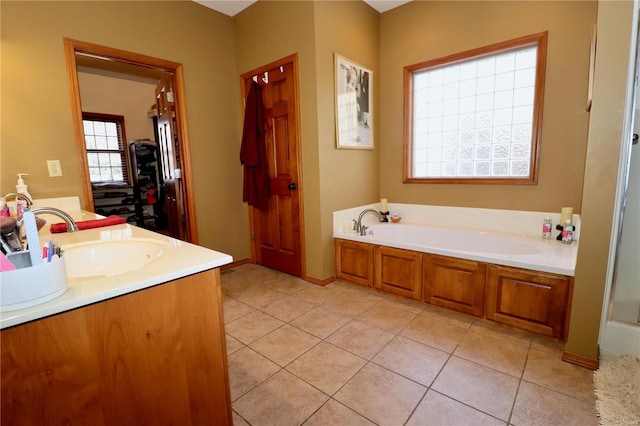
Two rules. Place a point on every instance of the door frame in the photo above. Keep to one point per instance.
(71, 47)
(292, 59)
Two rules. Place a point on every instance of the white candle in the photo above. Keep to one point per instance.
(383, 205)
(567, 214)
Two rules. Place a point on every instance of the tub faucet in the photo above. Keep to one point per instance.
(362, 229)
(71, 224)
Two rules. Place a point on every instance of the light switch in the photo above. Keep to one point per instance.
(55, 169)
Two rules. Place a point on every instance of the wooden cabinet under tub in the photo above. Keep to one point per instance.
(398, 271)
(531, 300)
(453, 283)
(354, 262)
(538, 302)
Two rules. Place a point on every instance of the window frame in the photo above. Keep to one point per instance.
(122, 142)
(539, 40)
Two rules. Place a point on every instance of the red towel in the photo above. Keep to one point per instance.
(253, 151)
(56, 228)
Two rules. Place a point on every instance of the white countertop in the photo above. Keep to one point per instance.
(180, 260)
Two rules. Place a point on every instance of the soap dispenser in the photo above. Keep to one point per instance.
(21, 188)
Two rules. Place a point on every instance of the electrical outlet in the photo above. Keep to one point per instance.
(55, 169)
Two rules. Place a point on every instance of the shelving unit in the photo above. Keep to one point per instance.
(141, 202)
(143, 157)
(116, 199)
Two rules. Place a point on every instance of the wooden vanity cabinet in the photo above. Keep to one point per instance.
(453, 283)
(155, 356)
(354, 262)
(398, 271)
(534, 301)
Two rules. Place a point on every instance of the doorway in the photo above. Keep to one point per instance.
(277, 234)
(178, 198)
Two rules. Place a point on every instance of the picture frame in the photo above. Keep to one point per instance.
(353, 105)
(592, 66)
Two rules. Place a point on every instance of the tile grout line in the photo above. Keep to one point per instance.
(257, 384)
(515, 398)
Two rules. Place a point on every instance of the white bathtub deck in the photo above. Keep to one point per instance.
(517, 250)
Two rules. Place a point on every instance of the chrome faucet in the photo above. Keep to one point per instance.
(359, 228)
(19, 195)
(15, 239)
(71, 224)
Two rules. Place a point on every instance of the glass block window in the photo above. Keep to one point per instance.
(476, 116)
(104, 142)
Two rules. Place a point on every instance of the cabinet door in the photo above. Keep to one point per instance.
(142, 358)
(534, 301)
(456, 284)
(354, 262)
(397, 271)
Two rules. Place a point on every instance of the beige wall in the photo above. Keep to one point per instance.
(332, 179)
(36, 122)
(119, 96)
(424, 30)
(268, 31)
(348, 177)
(601, 173)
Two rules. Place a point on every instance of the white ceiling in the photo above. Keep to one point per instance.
(232, 7)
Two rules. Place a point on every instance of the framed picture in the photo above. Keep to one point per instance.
(354, 115)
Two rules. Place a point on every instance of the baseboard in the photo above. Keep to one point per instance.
(306, 277)
(234, 264)
(319, 282)
(580, 360)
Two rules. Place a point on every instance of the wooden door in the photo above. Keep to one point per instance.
(277, 232)
(170, 161)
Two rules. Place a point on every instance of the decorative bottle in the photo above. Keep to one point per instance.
(21, 188)
(4, 208)
(547, 227)
(567, 232)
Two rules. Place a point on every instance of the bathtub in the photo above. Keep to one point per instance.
(517, 250)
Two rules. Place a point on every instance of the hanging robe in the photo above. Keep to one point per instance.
(253, 151)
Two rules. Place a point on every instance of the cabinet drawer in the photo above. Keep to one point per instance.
(456, 284)
(354, 262)
(534, 301)
(397, 271)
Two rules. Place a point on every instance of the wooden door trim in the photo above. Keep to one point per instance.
(71, 47)
(291, 59)
(189, 205)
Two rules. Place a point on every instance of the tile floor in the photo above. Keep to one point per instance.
(299, 353)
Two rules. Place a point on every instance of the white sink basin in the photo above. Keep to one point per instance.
(111, 257)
